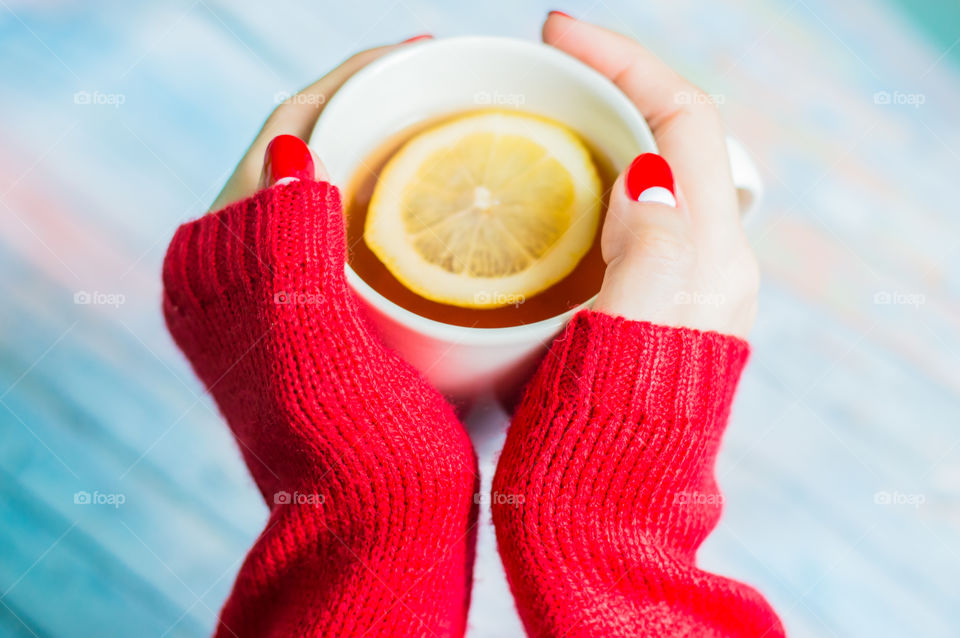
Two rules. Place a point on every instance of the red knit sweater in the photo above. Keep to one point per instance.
(605, 483)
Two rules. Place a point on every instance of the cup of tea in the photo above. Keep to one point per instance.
(466, 351)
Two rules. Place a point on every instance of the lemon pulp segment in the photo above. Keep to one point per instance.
(485, 210)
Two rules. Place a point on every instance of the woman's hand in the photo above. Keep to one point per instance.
(296, 116)
(369, 476)
(688, 265)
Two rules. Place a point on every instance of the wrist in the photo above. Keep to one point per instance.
(634, 366)
(639, 291)
(280, 240)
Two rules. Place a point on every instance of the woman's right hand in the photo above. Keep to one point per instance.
(687, 265)
(295, 116)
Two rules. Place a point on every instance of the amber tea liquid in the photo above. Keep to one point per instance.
(580, 285)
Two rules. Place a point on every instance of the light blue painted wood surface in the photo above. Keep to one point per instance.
(846, 402)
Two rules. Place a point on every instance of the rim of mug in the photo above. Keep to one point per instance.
(595, 82)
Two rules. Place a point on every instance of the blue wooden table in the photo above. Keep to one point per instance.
(124, 506)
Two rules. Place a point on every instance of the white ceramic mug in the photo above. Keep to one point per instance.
(446, 76)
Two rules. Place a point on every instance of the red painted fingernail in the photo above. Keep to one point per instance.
(560, 13)
(649, 179)
(287, 158)
(424, 36)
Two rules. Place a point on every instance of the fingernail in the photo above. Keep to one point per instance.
(649, 179)
(286, 159)
(560, 13)
(423, 36)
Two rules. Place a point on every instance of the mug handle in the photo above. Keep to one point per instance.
(746, 177)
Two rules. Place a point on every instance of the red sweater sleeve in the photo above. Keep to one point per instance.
(367, 472)
(605, 487)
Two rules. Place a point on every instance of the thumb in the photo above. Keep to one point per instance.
(287, 158)
(643, 209)
(647, 243)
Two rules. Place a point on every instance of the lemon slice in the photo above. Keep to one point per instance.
(485, 210)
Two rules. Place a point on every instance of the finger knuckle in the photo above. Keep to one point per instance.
(666, 244)
(694, 106)
(693, 102)
(361, 58)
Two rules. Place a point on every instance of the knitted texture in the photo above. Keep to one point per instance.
(605, 488)
(368, 475)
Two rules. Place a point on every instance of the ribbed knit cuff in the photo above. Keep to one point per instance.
(294, 232)
(634, 369)
(609, 461)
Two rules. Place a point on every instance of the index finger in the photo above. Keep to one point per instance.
(295, 116)
(689, 132)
